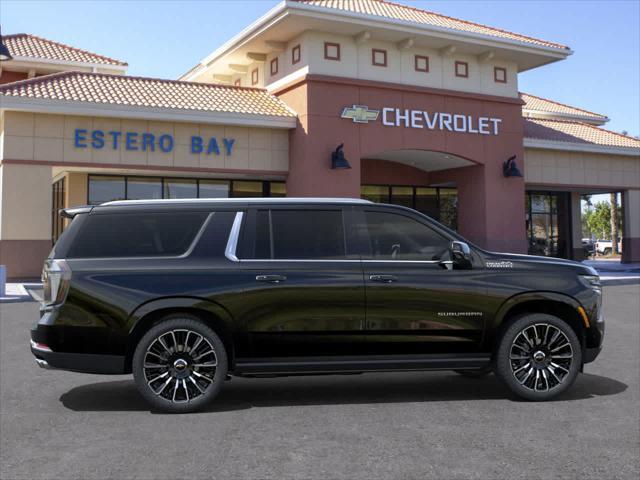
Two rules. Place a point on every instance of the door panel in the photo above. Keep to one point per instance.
(317, 310)
(414, 304)
(305, 290)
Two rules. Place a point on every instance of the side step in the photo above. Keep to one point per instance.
(356, 364)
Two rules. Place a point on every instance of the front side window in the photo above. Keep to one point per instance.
(299, 235)
(397, 237)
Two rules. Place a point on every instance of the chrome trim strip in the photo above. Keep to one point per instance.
(338, 260)
(249, 200)
(232, 243)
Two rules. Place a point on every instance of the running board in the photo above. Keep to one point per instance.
(356, 364)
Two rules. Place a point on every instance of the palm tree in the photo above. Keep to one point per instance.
(614, 222)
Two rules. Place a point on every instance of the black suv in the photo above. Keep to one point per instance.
(185, 293)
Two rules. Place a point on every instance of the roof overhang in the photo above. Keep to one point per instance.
(18, 63)
(288, 20)
(581, 147)
(528, 113)
(67, 107)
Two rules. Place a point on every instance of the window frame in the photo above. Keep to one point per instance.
(495, 74)
(460, 63)
(273, 66)
(326, 51)
(417, 58)
(296, 54)
(255, 76)
(375, 51)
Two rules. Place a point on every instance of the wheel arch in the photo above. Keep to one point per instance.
(148, 314)
(559, 305)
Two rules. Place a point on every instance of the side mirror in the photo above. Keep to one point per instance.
(460, 255)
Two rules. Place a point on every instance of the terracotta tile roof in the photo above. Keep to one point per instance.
(148, 92)
(575, 132)
(395, 11)
(27, 45)
(545, 105)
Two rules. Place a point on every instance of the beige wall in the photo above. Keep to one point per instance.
(551, 167)
(50, 138)
(76, 189)
(632, 213)
(355, 62)
(25, 201)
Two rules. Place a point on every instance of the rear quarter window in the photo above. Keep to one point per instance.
(136, 234)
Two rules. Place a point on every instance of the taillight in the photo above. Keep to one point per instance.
(56, 277)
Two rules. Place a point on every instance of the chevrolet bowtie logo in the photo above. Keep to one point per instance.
(360, 114)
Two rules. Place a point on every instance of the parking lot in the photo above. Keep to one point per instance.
(410, 425)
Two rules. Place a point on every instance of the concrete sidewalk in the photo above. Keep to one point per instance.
(21, 292)
(613, 272)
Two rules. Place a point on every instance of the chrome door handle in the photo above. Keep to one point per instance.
(271, 278)
(383, 278)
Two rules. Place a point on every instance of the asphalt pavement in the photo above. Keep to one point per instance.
(62, 425)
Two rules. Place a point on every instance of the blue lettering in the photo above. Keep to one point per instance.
(97, 137)
(196, 144)
(80, 138)
(115, 136)
(131, 141)
(165, 142)
(213, 146)
(148, 140)
(228, 144)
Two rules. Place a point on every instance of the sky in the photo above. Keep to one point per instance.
(166, 38)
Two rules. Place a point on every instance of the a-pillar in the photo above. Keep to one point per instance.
(25, 219)
(631, 238)
(577, 251)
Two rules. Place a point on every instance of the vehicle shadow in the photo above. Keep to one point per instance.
(240, 394)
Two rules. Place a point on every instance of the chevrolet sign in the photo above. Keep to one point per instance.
(397, 117)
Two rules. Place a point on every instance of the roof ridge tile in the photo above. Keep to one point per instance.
(562, 105)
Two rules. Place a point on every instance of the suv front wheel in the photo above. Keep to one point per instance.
(180, 364)
(538, 357)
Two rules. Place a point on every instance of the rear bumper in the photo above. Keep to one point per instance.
(79, 362)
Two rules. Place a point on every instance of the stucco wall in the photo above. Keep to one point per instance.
(553, 167)
(50, 138)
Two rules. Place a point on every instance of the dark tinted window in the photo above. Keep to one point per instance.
(300, 234)
(396, 237)
(136, 234)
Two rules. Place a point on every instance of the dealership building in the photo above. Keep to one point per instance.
(425, 110)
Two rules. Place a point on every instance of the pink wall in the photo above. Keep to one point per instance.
(491, 207)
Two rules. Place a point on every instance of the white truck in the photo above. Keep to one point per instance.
(605, 247)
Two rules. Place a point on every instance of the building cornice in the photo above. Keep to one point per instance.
(580, 147)
(66, 107)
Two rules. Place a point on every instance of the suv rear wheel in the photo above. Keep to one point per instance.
(180, 364)
(538, 357)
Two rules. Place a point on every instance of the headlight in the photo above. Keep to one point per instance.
(592, 282)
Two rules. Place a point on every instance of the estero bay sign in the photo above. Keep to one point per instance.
(136, 141)
(403, 117)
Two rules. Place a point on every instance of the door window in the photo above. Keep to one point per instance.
(397, 237)
(299, 235)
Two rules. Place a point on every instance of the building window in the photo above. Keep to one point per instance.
(254, 76)
(441, 204)
(295, 54)
(421, 63)
(500, 74)
(274, 67)
(331, 51)
(462, 69)
(106, 188)
(238, 82)
(378, 57)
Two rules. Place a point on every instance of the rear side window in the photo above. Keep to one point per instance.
(396, 237)
(136, 234)
(299, 235)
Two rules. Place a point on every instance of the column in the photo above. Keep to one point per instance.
(631, 239)
(577, 252)
(25, 219)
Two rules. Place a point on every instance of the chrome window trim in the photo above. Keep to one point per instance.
(234, 234)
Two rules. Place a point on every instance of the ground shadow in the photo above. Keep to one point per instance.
(239, 394)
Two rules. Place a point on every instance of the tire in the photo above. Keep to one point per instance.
(479, 373)
(180, 364)
(538, 357)
(607, 251)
